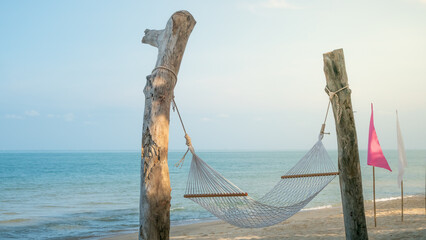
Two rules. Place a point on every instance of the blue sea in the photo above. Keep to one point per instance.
(88, 195)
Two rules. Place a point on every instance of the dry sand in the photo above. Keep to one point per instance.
(317, 224)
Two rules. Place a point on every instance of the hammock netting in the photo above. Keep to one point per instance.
(295, 190)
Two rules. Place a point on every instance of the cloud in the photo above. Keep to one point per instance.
(69, 117)
(13, 116)
(223, 115)
(29, 113)
(32, 113)
(205, 119)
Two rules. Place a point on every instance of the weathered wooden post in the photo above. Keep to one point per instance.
(349, 166)
(154, 219)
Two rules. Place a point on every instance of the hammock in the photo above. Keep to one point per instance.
(295, 190)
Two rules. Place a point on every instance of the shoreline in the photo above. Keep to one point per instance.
(321, 223)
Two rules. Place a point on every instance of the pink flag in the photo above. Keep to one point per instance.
(375, 155)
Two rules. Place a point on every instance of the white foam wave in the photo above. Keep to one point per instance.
(177, 209)
(391, 198)
(317, 208)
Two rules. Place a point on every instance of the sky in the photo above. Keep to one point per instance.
(72, 73)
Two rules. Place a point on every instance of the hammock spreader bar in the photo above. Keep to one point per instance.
(216, 195)
(310, 175)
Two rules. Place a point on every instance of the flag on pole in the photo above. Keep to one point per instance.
(402, 163)
(375, 155)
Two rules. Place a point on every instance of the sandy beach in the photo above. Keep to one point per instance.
(324, 223)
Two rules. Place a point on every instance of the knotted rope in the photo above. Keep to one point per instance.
(332, 95)
(187, 138)
(174, 106)
(165, 68)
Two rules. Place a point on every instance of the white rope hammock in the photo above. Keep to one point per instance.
(295, 190)
(219, 196)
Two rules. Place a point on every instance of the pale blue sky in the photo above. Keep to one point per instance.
(72, 72)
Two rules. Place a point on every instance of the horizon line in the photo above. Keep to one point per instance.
(180, 150)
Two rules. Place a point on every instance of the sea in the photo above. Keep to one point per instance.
(91, 194)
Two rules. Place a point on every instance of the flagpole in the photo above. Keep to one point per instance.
(402, 201)
(374, 197)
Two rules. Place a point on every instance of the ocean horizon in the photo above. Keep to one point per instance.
(92, 193)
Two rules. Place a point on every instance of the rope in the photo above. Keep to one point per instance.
(180, 118)
(332, 95)
(187, 138)
(174, 106)
(326, 114)
(321, 135)
(180, 163)
(165, 68)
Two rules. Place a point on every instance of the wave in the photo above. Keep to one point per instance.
(16, 220)
(192, 221)
(377, 200)
(51, 206)
(317, 208)
(391, 198)
(10, 213)
(99, 203)
(177, 209)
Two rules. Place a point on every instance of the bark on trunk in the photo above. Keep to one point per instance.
(349, 166)
(154, 220)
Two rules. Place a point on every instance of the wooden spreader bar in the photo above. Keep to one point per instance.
(215, 195)
(310, 175)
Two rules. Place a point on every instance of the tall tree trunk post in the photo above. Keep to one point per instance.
(154, 218)
(349, 166)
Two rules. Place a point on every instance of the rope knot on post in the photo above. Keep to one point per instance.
(334, 94)
(167, 69)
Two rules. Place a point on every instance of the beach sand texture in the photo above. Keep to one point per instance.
(317, 224)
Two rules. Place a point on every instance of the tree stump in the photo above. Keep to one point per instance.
(154, 220)
(349, 166)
